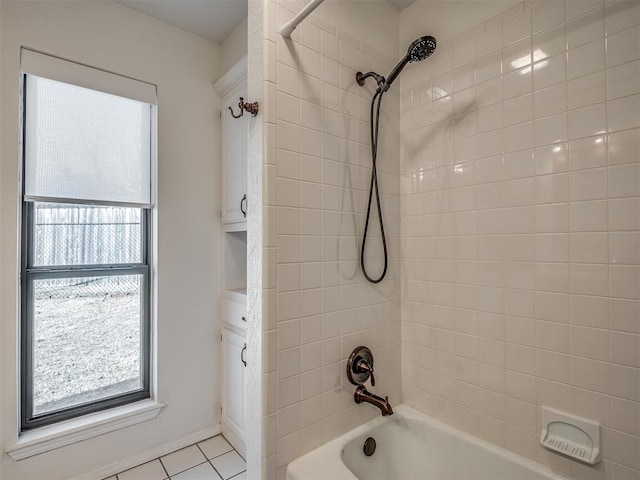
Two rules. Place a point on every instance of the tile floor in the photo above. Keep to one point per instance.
(211, 459)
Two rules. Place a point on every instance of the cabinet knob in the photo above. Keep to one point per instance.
(244, 349)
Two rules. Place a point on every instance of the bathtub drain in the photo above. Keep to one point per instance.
(369, 446)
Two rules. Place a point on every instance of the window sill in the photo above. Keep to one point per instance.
(65, 433)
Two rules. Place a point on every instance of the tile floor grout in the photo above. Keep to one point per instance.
(226, 446)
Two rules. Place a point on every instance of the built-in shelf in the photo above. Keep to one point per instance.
(236, 295)
(234, 227)
(235, 262)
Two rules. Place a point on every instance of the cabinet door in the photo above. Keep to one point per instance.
(233, 352)
(234, 157)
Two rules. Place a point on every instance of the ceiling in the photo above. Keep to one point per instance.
(211, 19)
(400, 4)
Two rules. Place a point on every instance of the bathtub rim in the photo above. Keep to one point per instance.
(315, 464)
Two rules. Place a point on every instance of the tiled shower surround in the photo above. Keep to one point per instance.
(520, 187)
(317, 305)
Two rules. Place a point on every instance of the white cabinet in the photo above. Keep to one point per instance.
(234, 358)
(234, 131)
(230, 88)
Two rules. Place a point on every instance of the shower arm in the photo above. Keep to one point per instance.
(361, 77)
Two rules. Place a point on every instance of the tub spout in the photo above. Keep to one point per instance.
(362, 395)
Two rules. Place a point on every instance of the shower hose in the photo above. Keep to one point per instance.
(374, 121)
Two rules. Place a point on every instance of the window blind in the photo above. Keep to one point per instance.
(85, 145)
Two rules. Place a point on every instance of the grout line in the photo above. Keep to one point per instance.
(215, 469)
(237, 474)
(163, 467)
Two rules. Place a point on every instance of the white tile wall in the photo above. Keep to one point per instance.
(520, 203)
(318, 306)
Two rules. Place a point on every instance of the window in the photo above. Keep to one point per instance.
(86, 236)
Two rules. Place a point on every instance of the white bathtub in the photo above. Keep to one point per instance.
(410, 446)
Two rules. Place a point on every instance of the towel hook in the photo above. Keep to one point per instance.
(252, 108)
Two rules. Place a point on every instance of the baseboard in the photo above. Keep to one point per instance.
(147, 456)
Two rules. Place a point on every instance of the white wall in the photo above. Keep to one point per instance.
(520, 231)
(234, 47)
(317, 305)
(115, 38)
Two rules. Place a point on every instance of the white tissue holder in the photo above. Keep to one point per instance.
(569, 435)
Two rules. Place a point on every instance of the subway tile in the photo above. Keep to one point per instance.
(589, 279)
(552, 247)
(590, 311)
(624, 180)
(624, 214)
(553, 336)
(590, 343)
(547, 15)
(586, 90)
(623, 113)
(489, 41)
(588, 153)
(585, 28)
(518, 83)
(624, 449)
(550, 101)
(624, 147)
(585, 59)
(625, 349)
(623, 46)
(625, 416)
(588, 184)
(588, 248)
(588, 216)
(550, 130)
(552, 188)
(521, 358)
(620, 16)
(549, 43)
(587, 121)
(516, 56)
(551, 159)
(590, 374)
(552, 277)
(625, 382)
(550, 71)
(553, 218)
(622, 80)
(516, 28)
(625, 315)
(576, 8)
(624, 281)
(624, 248)
(553, 366)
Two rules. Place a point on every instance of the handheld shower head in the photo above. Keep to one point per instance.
(420, 49)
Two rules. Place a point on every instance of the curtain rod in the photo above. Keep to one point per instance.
(287, 29)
